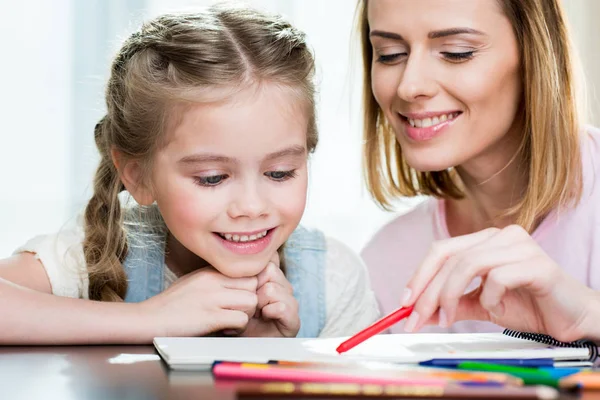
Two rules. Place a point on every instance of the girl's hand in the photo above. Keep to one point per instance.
(202, 302)
(277, 311)
(521, 287)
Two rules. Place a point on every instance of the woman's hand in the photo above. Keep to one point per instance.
(201, 303)
(521, 287)
(277, 311)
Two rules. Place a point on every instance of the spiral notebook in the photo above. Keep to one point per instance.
(201, 353)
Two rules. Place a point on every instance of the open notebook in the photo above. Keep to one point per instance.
(200, 353)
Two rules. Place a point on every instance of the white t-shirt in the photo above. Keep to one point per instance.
(350, 302)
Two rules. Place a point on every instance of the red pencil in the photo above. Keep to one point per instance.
(374, 329)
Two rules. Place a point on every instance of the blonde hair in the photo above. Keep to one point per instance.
(173, 60)
(549, 149)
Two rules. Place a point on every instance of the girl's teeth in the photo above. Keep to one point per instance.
(428, 122)
(243, 238)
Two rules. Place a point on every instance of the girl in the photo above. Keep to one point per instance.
(210, 119)
(473, 103)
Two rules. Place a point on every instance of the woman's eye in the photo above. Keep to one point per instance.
(458, 56)
(389, 58)
(281, 175)
(212, 180)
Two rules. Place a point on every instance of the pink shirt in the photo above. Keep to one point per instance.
(570, 237)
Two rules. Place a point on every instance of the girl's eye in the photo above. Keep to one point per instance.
(281, 175)
(212, 180)
(458, 56)
(389, 58)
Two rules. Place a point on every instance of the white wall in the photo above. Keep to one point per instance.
(35, 110)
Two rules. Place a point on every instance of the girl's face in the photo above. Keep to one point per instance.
(231, 183)
(446, 75)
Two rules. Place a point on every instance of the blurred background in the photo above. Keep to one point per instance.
(56, 57)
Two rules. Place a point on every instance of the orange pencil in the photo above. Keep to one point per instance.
(374, 329)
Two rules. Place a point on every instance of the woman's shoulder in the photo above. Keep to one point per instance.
(591, 147)
(415, 225)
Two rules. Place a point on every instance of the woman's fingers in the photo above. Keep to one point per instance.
(428, 303)
(508, 277)
(480, 261)
(435, 259)
(458, 263)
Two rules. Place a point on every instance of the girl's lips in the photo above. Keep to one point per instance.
(249, 247)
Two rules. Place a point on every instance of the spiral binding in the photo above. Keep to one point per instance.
(549, 340)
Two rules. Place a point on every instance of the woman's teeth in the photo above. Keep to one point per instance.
(427, 122)
(243, 238)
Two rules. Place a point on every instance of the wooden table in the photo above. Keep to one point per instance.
(98, 372)
(105, 372)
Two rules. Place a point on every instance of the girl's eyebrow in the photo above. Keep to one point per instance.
(430, 35)
(293, 151)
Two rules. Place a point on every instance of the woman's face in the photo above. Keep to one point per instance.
(446, 74)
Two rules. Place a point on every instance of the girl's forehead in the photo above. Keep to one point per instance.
(249, 118)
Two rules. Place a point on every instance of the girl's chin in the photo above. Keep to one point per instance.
(243, 269)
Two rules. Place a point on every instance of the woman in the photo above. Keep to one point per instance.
(473, 103)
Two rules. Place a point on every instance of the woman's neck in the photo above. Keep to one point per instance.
(179, 259)
(492, 183)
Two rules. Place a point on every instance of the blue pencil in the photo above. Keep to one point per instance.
(525, 362)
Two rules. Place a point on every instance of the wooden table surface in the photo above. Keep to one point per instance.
(106, 372)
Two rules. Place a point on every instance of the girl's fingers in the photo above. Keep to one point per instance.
(231, 320)
(249, 284)
(272, 273)
(285, 315)
(437, 256)
(236, 299)
(271, 292)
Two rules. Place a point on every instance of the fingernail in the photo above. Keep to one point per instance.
(406, 297)
(443, 319)
(411, 322)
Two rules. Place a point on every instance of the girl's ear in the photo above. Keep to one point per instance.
(131, 174)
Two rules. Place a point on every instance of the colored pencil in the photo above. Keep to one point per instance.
(375, 328)
(348, 390)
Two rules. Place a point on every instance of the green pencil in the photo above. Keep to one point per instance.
(530, 376)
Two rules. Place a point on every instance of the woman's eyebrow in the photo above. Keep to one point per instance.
(452, 32)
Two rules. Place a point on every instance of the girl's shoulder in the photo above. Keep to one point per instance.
(61, 255)
(324, 257)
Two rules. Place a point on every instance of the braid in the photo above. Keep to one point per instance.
(105, 244)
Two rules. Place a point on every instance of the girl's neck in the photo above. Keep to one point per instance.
(179, 259)
(492, 183)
